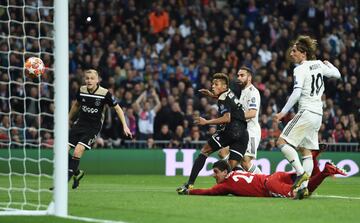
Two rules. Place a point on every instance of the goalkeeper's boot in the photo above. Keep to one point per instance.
(184, 188)
(331, 169)
(301, 193)
(77, 179)
(300, 179)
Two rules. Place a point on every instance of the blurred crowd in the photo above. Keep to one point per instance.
(154, 56)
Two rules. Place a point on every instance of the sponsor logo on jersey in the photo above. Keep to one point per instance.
(89, 110)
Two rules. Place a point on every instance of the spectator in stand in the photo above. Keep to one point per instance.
(159, 19)
(146, 114)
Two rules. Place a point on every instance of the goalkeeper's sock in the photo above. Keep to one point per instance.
(198, 165)
(316, 180)
(316, 169)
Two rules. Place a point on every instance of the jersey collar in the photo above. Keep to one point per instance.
(223, 95)
(94, 90)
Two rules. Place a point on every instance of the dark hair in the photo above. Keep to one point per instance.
(305, 44)
(222, 165)
(248, 70)
(221, 76)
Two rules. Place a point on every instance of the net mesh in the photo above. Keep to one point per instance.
(26, 105)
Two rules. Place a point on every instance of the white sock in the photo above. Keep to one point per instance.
(292, 156)
(308, 164)
(254, 169)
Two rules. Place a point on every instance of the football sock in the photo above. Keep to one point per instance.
(316, 169)
(316, 180)
(73, 166)
(308, 164)
(198, 165)
(254, 169)
(293, 158)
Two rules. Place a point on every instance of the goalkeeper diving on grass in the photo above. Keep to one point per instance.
(248, 184)
(89, 106)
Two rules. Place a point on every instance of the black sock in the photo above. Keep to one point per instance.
(198, 165)
(73, 166)
(70, 171)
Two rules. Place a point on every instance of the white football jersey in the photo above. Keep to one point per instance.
(250, 99)
(309, 77)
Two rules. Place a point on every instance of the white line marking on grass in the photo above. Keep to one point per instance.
(337, 197)
(92, 219)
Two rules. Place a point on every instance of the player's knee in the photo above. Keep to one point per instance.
(223, 153)
(280, 142)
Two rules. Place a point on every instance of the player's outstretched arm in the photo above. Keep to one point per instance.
(216, 121)
(74, 109)
(218, 189)
(121, 116)
(294, 97)
(208, 93)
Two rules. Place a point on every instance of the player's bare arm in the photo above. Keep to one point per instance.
(249, 114)
(221, 120)
(207, 92)
(74, 109)
(121, 116)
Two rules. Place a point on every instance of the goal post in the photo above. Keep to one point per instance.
(61, 107)
(33, 137)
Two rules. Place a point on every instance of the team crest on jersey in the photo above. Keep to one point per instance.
(97, 102)
(253, 99)
(222, 107)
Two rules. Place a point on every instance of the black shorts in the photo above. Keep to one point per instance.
(83, 134)
(236, 139)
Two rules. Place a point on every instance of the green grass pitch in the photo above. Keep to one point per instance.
(146, 198)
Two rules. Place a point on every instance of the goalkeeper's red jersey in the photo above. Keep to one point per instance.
(238, 183)
(253, 185)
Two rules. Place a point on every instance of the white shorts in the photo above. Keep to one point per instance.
(253, 144)
(302, 130)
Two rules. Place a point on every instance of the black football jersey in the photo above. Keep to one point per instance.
(92, 105)
(228, 102)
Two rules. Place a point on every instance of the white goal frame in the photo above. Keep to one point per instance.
(59, 205)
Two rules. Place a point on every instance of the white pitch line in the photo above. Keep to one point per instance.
(337, 197)
(92, 219)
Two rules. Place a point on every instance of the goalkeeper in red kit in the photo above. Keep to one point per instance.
(278, 184)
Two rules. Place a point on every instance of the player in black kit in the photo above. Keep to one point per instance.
(231, 128)
(89, 105)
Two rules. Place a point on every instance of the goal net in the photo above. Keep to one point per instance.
(26, 107)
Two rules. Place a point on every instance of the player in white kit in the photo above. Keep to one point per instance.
(250, 100)
(301, 133)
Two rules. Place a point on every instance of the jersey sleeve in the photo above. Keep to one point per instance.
(218, 189)
(224, 106)
(254, 102)
(110, 99)
(330, 70)
(299, 78)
